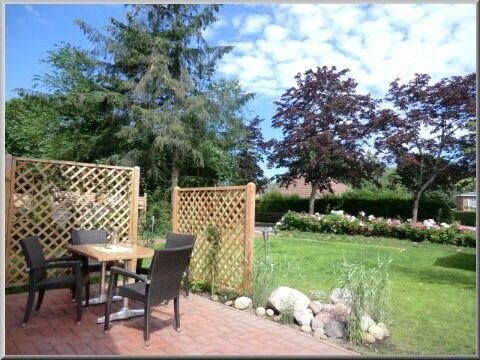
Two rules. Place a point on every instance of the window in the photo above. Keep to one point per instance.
(472, 202)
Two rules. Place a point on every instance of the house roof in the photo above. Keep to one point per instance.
(303, 190)
(469, 194)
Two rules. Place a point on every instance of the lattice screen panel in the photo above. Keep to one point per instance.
(50, 198)
(227, 209)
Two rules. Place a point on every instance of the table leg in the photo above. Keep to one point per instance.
(125, 312)
(102, 296)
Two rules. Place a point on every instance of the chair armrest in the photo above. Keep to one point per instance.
(56, 264)
(115, 270)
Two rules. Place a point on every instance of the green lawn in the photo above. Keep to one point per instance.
(433, 286)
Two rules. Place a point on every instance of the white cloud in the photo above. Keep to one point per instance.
(254, 23)
(378, 43)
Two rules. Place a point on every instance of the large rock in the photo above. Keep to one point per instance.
(283, 298)
(368, 338)
(306, 328)
(229, 303)
(341, 296)
(319, 334)
(260, 311)
(365, 322)
(270, 312)
(324, 316)
(382, 326)
(303, 316)
(243, 302)
(315, 306)
(342, 312)
(376, 331)
(334, 329)
(317, 324)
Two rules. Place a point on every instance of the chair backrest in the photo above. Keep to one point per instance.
(175, 240)
(166, 272)
(34, 256)
(84, 237)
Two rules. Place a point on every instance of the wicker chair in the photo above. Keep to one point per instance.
(162, 284)
(84, 237)
(174, 240)
(38, 280)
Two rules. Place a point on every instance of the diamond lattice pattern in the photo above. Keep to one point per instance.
(49, 199)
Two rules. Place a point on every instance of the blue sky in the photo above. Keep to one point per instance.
(273, 42)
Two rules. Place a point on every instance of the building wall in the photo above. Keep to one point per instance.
(461, 202)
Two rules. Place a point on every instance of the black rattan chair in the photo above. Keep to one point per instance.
(84, 237)
(38, 280)
(174, 240)
(162, 284)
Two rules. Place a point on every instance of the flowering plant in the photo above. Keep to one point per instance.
(338, 222)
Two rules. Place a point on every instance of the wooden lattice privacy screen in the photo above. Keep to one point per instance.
(49, 198)
(232, 210)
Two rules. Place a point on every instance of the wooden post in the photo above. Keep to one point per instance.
(133, 231)
(175, 209)
(10, 168)
(250, 191)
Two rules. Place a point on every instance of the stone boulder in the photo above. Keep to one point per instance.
(315, 306)
(229, 303)
(365, 322)
(306, 328)
(334, 329)
(342, 312)
(341, 296)
(317, 324)
(324, 316)
(260, 311)
(283, 298)
(319, 334)
(243, 302)
(368, 338)
(376, 331)
(303, 316)
(270, 312)
(382, 326)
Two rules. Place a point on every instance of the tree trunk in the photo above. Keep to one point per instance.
(311, 204)
(418, 195)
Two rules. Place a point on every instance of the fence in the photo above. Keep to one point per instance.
(48, 198)
(232, 210)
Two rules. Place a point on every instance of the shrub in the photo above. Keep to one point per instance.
(467, 218)
(380, 202)
(340, 223)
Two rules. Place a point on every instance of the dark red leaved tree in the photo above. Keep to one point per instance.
(323, 122)
(428, 133)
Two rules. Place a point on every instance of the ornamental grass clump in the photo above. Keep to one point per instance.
(369, 286)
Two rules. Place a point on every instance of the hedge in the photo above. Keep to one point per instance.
(346, 224)
(466, 218)
(271, 206)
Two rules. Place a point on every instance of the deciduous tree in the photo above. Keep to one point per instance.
(323, 122)
(426, 131)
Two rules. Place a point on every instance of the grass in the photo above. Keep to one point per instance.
(433, 295)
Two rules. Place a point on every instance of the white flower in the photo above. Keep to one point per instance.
(338, 212)
(317, 214)
(270, 229)
(371, 217)
(352, 218)
(362, 213)
(445, 225)
(279, 223)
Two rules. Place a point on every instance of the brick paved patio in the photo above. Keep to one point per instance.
(207, 328)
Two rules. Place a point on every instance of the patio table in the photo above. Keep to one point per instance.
(129, 254)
